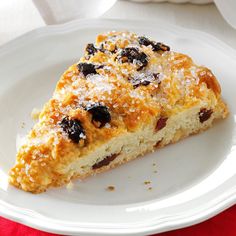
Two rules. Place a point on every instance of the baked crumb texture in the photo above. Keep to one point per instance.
(125, 97)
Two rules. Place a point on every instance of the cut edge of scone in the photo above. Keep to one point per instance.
(129, 146)
(53, 157)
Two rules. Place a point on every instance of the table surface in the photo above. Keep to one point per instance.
(18, 17)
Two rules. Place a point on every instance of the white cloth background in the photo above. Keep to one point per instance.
(226, 7)
(177, 1)
(60, 11)
(18, 17)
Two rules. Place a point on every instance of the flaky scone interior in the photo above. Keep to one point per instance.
(125, 97)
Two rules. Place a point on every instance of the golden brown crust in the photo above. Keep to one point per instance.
(206, 76)
(171, 83)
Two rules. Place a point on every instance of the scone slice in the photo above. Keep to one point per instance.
(127, 96)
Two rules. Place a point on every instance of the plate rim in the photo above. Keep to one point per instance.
(29, 218)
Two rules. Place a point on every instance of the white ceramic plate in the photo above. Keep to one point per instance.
(195, 179)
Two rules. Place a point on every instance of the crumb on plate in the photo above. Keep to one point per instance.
(110, 188)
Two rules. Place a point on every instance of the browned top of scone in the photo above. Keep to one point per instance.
(120, 84)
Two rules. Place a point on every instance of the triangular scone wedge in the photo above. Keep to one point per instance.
(127, 96)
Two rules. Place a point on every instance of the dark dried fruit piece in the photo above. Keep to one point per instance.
(144, 41)
(161, 123)
(143, 82)
(138, 81)
(104, 50)
(160, 47)
(155, 46)
(158, 143)
(204, 114)
(87, 68)
(157, 78)
(156, 75)
(133, 55)
(91, 50)
(100, 114)
(142, 61)
(73, 128)
(105, 162)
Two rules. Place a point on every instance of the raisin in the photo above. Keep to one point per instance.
(100, 114)
(160, 47)
(155, 46)
(204, 114)
(144, 41)
(137, 81)
(161, 123)
(133, 55)
(144, 83)
(73, 128)
(102, 49)
(156, 76)
(91, 50)
(88, 68)
(105, 162)
(143, 60)
(158, 143)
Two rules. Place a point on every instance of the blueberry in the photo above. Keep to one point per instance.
(73, 128)
(131, 54)
(99, 113)
(91, 50)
